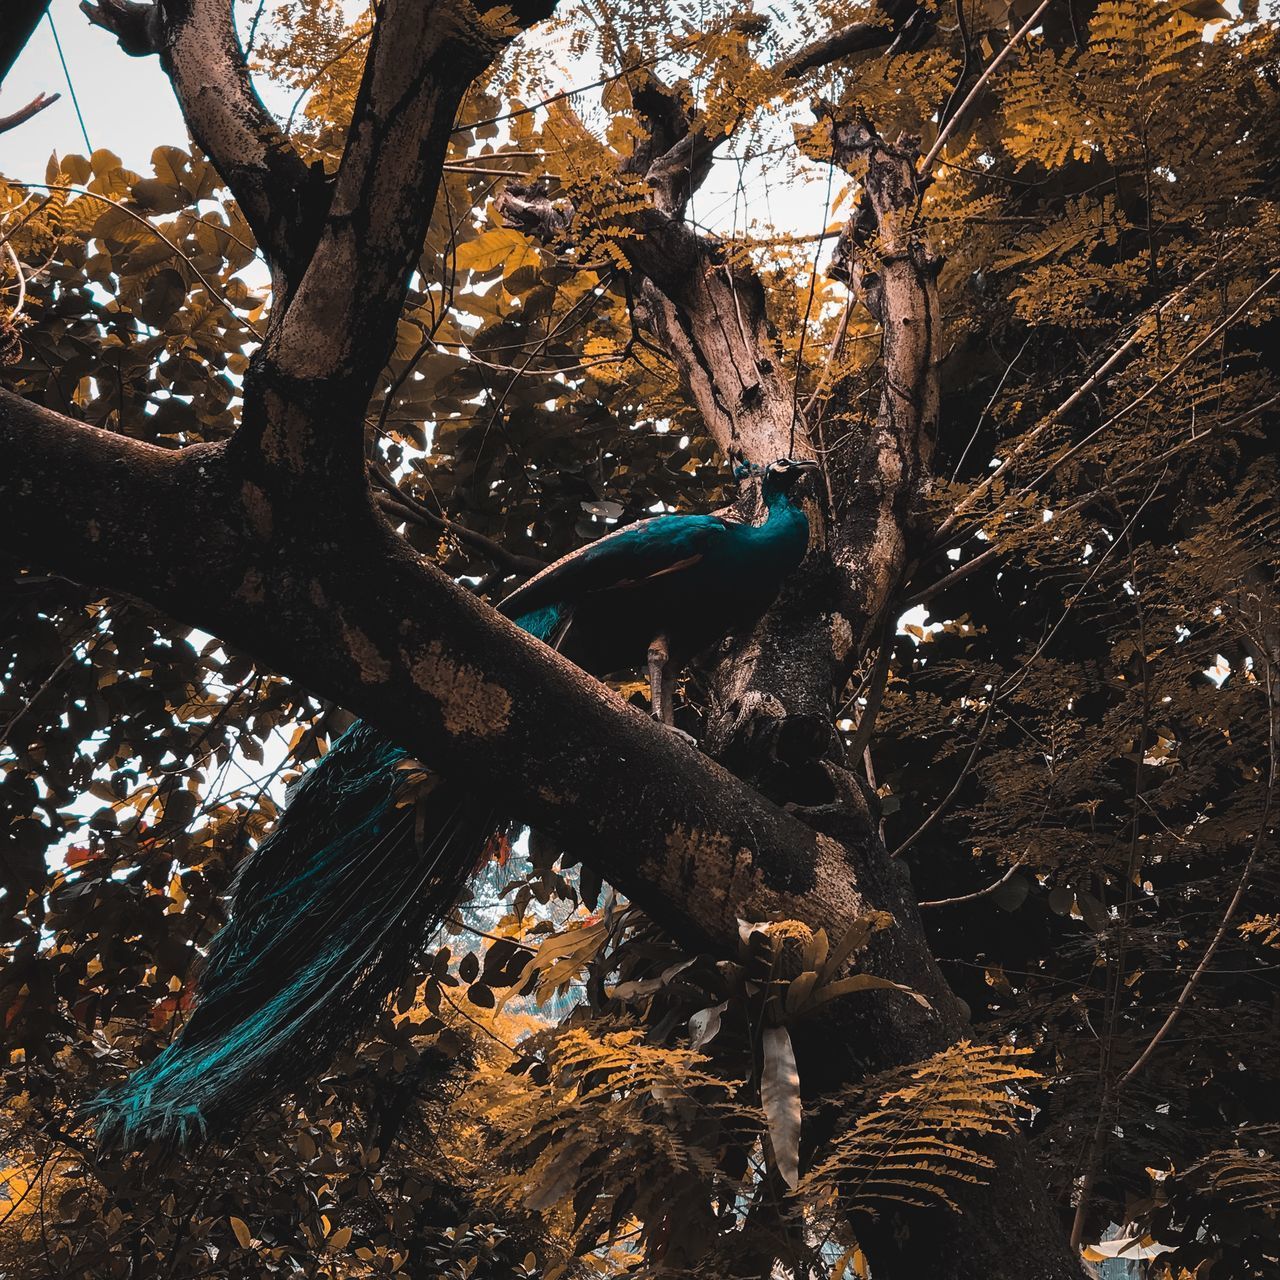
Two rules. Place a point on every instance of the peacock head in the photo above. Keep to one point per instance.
(780, 477)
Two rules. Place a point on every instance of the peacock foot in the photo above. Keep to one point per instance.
(680, 733)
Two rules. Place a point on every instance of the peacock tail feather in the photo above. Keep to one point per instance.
(327, 918)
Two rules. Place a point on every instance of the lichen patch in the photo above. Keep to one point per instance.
(373, 667)
(841, 635)
(469, 703)
(693, 844)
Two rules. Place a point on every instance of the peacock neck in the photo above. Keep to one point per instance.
(781, 513)
(783, 534)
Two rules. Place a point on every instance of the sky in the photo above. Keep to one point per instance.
(126, 102)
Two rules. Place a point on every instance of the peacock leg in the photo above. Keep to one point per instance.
(660, 681)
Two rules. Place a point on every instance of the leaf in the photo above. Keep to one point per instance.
(855, 938)
(589, 886)
(705, 1025)
(1094, 913)
(799, 989)
(780, 1098)
(862, 982)
(558, 1177)
(647, 986)
(340, 1238)
(1061, 899)
(499, 247)
(1012, 894)
(481, 995)
(242, 1233)
(816, 950)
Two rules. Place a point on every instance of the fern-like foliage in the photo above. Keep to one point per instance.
(612, 1137)
(912, 1136)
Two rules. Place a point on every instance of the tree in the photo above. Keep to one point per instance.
(1037, 375)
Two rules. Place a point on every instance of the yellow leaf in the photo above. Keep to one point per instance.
(341, 1238)
(242, 1232)
(499, 247)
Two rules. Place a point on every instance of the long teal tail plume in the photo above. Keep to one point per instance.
(327, 917)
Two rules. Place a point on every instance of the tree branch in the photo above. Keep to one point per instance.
(328, 344)
(333, 597)
(402, 506)
(23, 114)
(883, 473)
(281, 197)
(903, 26)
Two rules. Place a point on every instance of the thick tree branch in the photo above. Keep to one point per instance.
(281, 198)
(882, 473)
(903, 25)
(336, 599)
(707, 316)
(319, 363)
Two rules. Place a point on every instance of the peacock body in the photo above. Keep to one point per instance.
(328, 915)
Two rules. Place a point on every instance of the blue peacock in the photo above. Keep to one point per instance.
(330, 912)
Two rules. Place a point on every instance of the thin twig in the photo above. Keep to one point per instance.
(833, 353)
(1138, 399)
(949, 127)
(875, 693)
(16, 311)
(1140, 330)
(417, 513)
(977, 893)
(926, 594)
(23, 114)
(945, 803)
(1184, 996)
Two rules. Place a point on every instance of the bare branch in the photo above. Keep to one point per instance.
(23, 114)
(949, 127)
(977, 893)
(1246, 877)
(402, 506)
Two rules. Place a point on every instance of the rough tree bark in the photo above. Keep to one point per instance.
(274, 542)
(775, 687)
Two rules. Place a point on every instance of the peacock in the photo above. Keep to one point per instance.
(328, 915)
